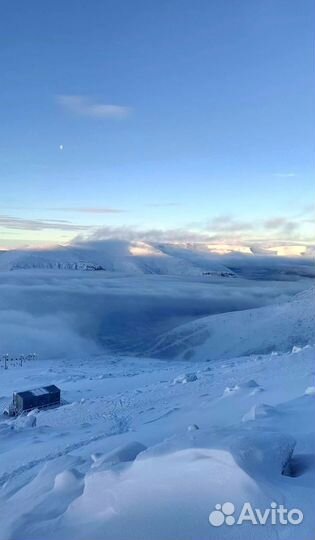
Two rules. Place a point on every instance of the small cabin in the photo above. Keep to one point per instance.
(38, 398)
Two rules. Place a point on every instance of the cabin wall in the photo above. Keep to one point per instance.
(27, 400)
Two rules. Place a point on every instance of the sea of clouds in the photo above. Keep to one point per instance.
(76, 313)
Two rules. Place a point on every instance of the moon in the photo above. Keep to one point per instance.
(61, 147)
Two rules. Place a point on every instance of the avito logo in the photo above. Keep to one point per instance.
(275, 515)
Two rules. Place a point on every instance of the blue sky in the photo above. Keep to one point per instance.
(166, 116)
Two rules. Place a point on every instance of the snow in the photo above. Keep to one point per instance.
(25, 421)
(310, 391)
(259, 411)
(125, 453)
(118, 256)
(281, 327)
(186, 378)
(145, 447)
(132, 457)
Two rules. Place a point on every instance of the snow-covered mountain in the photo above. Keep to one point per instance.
(118, 256)
(278, 327)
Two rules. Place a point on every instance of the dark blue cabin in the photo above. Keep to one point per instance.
(46, 396)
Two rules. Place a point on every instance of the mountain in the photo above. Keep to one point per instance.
(118, 256)
(279, 327)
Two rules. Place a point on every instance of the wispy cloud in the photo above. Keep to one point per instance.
(275, 223)
(279, 235)
(227, 223)
(223, 224)
(150, 235)
(222, 233)
(90, 210)
(70, 209)
(287, 226)
(10, 222)
(285, 174)
(85, 106)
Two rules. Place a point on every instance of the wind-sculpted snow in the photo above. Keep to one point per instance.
(132, 451)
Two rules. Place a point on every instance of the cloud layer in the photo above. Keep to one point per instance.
(85, 106)
(64, 313)
(10, 222)
(279, 234)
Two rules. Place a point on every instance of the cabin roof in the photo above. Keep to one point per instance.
(51, 389)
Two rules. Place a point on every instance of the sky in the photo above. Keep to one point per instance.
(191, 121)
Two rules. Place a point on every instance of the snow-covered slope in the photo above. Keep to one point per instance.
(58, 259)
(153, 447)
(263, 330)
(144, 449)
(118, 256)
